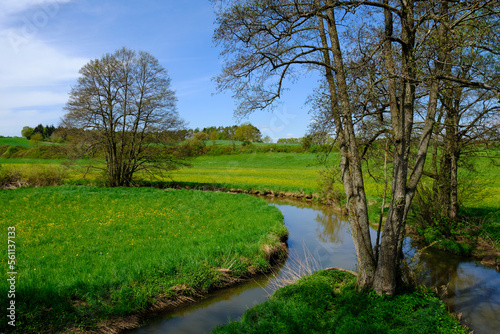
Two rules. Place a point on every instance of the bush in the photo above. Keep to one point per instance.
(36, 176)
(327, 189)
(218, 150)
(431, 225)
(8, 177)
(192, 147)
(13, 151)
(36, 138)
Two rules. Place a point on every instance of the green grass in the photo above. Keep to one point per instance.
(88, 253)
(293, 172)
(20, 141)
(238, 143)
(299, 173)
(328, 302)
(223, 142)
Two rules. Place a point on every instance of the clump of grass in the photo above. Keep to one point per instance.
(328, 302)
(88, 253)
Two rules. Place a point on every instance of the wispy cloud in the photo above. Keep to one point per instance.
(35, 77)
(35, 64)
(9, 7)
(191, 87)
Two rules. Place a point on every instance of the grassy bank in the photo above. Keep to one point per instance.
(328, 302)
(477, 230)
(87, 254)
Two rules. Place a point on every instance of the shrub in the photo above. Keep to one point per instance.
(12, 150)
(36, 176)
(192, 147)
(327, 187)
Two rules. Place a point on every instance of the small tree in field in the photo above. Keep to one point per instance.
(214, 136)
(124, 103)
(247, 132)
(27, 132)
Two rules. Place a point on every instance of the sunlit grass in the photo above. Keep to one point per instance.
(86, 252)
(329, 302)
(293, 172)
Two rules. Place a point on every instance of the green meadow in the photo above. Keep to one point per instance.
(21, 141)
(90, 254)
(86, 254)
(287, 172)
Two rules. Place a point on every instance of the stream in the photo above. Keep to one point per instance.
(320, 239)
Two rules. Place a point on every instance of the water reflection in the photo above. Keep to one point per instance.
(331, 228)
(467, 288)
(322, 239)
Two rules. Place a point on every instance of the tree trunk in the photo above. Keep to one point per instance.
(350, 164)
(402, 124)
(455, 155)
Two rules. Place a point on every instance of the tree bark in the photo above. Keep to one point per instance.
(352, 175)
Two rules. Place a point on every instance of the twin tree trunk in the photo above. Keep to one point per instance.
(379, 272)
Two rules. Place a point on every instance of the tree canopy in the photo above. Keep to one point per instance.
(384, 66)
(125, 106)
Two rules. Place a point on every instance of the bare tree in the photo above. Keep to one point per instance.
(125, 106)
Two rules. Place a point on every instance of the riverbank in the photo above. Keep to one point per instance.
(328, 302)
(92, 258)
(469, 240)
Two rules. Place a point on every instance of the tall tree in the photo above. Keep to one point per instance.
(124, 102)
(264, 41)
(247, 132)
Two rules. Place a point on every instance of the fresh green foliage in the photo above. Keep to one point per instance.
(88, 253)
(328, 302)
(479, 216)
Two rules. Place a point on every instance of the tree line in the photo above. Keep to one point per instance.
(39, 132)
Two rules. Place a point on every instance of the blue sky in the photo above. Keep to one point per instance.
(44, 43)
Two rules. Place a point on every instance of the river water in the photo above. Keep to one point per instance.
(320, 239)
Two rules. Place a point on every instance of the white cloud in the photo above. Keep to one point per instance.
(35, 79)
(8, 7)
(14, 121)
(191, 87)
(34, 63)
(31, 99)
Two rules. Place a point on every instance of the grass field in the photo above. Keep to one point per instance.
(20, 141)
(293, 172)
(300, 173)
(93, 253)
(88, 253)
(328, 302)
